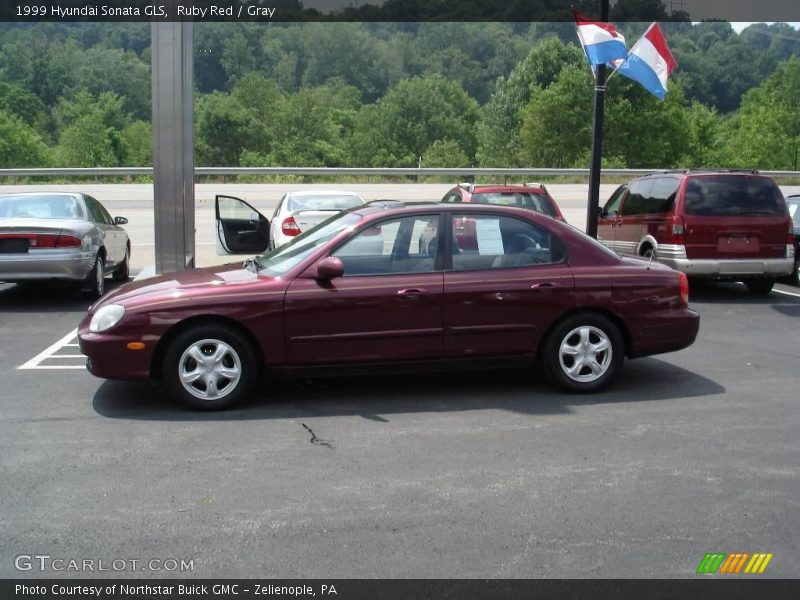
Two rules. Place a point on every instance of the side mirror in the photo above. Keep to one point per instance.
(120, 221)
(329, 268)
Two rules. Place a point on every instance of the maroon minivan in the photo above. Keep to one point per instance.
(729, 225)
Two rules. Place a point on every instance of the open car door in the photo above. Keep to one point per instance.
(241, 229)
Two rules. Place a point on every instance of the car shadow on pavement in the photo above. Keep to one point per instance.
(378, 397)
(731, 292)
(46, 297)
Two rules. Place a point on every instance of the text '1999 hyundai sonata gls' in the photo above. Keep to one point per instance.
(527, 288)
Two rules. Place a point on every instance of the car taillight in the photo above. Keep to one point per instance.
(678, 229)
(53, 241)
(790, 241)
(289, 227)
(684, 285)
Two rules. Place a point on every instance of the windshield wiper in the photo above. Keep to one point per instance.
(253, 262)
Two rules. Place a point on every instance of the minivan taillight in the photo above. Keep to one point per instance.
(684, 285)
(289, 227)
(678, 229)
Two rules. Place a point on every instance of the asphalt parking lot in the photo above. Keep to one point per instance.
(463, 475)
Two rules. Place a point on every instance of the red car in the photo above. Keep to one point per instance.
(532, 196)
(533, 288)
(726, 225)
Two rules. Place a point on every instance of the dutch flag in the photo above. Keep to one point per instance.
(601, 42)
(649, 62)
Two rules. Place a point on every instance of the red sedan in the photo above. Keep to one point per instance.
(530, 288)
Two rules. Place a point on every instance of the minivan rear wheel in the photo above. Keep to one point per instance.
(759, 287)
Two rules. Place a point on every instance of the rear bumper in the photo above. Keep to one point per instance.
(675, 257)
(40, 265)
(665, 331)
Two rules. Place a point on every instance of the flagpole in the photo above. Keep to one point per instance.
(593, 208)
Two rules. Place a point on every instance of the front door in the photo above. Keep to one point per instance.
(241, 229)
(387, 306)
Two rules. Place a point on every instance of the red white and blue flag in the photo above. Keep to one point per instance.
(601, 42)
(649, 62)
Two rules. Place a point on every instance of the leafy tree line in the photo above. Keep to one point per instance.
(400, 94)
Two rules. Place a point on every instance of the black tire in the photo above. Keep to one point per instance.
(236, 354)
(570, 333)
(94, 285)
(759, 287)
(123, 271)
(796, 273)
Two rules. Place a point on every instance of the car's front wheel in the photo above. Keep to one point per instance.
(123, 271)
(583, 353)
(95, 283)
(210, 367)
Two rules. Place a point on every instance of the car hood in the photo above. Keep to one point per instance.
(185, 285)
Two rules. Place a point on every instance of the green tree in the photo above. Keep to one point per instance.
(410, 117)
(20, 144)
(499, 129)
(137, 139)
(445, 154)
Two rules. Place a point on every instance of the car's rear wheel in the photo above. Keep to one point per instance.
(95, 283)
(123, 271)
(210, 367)
(759, 287)
(796, 273)
(583, 353)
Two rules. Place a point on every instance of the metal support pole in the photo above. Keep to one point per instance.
(173, 145)
(593, 208)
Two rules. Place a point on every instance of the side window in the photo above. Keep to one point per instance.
(405, 245)
(492, 242)
(95, 211)
(636, 200)
(662, 195)
(452, 197)
(612, 206)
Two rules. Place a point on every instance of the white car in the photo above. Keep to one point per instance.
(300, 211)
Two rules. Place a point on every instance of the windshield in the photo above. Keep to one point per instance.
(43, 206)
(538, 202)
(324, 202)
(732, 195)
(283, 259)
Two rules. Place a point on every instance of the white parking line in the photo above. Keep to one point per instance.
(786, 293)
(49, 354)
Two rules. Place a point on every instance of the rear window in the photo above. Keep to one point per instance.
(538, 202)
(326, 202)
(733, 195)
(39, 207)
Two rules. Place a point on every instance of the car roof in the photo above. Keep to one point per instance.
(28, 194)
(399, 207)
(506, 188)
(324, 193)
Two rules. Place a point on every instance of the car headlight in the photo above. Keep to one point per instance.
(106, 317)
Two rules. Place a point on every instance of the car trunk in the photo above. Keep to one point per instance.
(306, 219)
(17, 236)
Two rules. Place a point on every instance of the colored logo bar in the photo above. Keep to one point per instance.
(737, 562)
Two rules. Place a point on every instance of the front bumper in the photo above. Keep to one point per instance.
(45, 264)
(109, 357)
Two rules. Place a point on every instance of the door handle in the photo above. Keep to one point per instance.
(542, 285)
(413, 293)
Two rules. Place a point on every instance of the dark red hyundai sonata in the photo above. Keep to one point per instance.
(389, 284)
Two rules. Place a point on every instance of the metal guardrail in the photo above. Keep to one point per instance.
(328, 171)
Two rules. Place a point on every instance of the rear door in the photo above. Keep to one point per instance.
(733, 216)
(241, 229)
(500, 296)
